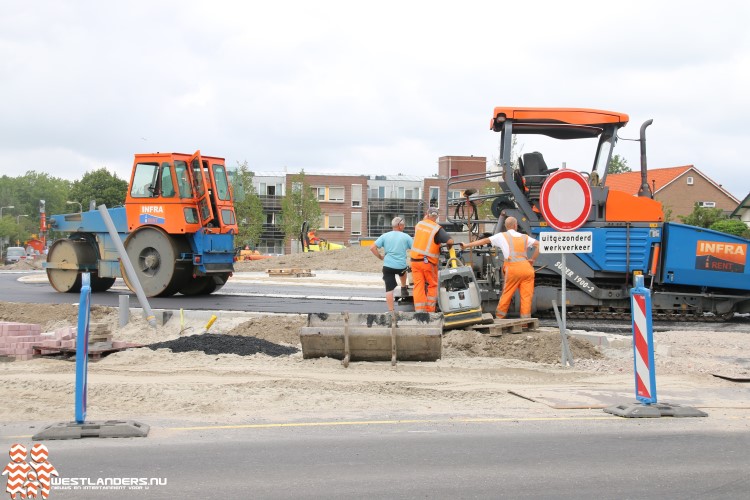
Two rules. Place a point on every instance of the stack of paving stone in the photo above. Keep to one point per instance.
(17, 339)
(21, 341)
(100, 335)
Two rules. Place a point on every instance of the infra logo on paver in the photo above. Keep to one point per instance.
(27, 480)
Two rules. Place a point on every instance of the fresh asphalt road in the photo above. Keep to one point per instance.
(236, 295)
(596, 456)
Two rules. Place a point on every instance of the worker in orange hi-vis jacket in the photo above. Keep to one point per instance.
(518, 268)
(428, 236)
(312, 236)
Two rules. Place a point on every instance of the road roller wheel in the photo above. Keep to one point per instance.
(219, 281)
(73, 254)
(101, 284)
(154, 255)
(204, 285)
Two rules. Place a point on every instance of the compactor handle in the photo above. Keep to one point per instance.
(453, 261)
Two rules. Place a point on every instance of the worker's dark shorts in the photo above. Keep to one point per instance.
(389, 276)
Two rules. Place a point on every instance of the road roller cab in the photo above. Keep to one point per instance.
(177, 227)
(180, 193)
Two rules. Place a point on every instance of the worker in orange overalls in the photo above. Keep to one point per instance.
(428, 236)
(518, 268)
(312, 237)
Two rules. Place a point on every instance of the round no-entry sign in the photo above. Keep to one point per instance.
(565, 200)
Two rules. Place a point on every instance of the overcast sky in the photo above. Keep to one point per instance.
(364, 87)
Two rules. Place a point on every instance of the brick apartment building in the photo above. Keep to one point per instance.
(356, 207)
(343, 201)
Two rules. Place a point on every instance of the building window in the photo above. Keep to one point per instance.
(356, 223)
(454, 195)
(335, 221)
(323, 193)
(434, 196)
(707, 204)
(335, 194)
(356, 195)
(690, 181)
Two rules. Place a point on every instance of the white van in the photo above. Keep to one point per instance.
(14, 254)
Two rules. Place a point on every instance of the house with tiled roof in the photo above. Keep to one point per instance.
(678, 189)
(742, 212)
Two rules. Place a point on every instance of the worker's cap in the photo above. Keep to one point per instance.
(432, 212)
(397, 221)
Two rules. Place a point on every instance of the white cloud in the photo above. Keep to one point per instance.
(387, 87)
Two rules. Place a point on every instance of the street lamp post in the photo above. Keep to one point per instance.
(1, 218)
(18, 218)
(80, 207)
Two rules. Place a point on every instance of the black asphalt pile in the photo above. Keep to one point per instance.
(210, 343)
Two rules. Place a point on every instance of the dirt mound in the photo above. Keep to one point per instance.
(50, 316)
(542, 346)
(26, 265)
(273, 328)
(354, 258)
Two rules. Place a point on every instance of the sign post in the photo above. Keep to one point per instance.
(82, 348)
(643, 364)
(564, 243)
(565, 202)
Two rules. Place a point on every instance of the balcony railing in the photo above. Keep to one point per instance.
(271, 202)
(398, 205)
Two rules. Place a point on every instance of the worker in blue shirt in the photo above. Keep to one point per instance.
(396, 244)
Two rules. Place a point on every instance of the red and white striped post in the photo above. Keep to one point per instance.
(643, 343)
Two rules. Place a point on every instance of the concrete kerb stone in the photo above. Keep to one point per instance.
(164, 315)
(329, 278)
(603, 339)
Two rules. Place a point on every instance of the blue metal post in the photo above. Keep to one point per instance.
(82, 348)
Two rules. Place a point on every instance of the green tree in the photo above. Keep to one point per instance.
(668, 212)
(247, 206)
(300, 204)
(14, 233)
(731, 226)
(618, 165)
(100, 185)
(25, 194)
(702, 217)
